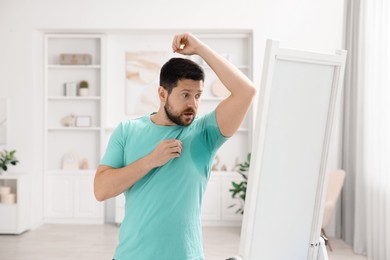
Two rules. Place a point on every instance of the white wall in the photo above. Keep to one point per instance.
(304, 24)
(16, 83)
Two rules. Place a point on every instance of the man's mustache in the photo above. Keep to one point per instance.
(189, 110)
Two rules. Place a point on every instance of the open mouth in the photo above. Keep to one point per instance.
(188, 113)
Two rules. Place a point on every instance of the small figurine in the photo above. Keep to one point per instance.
(69, 120)
(84, 164)
(236, 166)
(70, 162)
(215, 165)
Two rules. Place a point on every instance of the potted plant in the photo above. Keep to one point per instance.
(83, 88)
(239, 189)
(7, 158)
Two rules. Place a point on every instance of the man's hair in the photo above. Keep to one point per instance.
(177, 69)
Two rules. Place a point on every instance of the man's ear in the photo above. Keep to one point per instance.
(162, 94)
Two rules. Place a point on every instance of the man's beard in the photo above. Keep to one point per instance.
(176, 118)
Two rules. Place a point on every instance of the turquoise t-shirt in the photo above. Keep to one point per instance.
(163, 209)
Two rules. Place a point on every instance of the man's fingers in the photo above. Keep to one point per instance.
(176, 150)
(176, 43)
(183, 42)
(173, 147)
(173, 143)
(179, 42)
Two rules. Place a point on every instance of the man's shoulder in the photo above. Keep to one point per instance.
(134, 122)
(130, 125)
(205, 119)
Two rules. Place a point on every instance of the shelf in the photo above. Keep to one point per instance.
(241, 67)
(72, 187)
(72, 172)
(74, 66)
(72, 98)
(11, 175)
(9, 206)
(110, 129)
(212, 98)
(229, 35)
(227, 173)
(73, 128)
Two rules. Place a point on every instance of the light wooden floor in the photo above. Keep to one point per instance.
(97, 242)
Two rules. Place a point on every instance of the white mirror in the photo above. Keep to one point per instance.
(287, 178)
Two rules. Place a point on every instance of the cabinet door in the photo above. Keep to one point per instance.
(85, 204)
(59, 197)
(119, 208)
(211, 208)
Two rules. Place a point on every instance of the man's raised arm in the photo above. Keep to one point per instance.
(231, 111)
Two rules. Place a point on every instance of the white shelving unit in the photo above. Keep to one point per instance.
(236, 47)
(69, 193)
(15, 216)
(216, 210)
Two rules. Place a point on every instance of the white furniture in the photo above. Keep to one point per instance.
(216, 210)
(287, 179)
(15, 217)
(236, 46)
(74, 128)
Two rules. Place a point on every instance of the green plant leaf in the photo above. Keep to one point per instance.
(7, 158)
(239, 189)
(235, 185)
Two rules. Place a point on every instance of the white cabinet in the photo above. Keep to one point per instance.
(218, 198)
(72, 199)
(58, 196)
(85, 205)
(15, 216)
(74, 126)
(119, 208)
(211, 208)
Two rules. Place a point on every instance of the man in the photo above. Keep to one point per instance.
(162, 161)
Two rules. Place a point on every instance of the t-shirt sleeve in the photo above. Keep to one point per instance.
(211, 132)
(114, 155)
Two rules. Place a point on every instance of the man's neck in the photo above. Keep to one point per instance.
(160, 118)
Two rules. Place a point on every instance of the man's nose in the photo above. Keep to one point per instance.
(192, 102)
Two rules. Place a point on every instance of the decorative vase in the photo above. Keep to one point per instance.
(5, 190)
(83, 92)
(8, 198)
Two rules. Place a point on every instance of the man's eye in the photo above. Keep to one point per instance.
(185, 95)
(197, 96)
